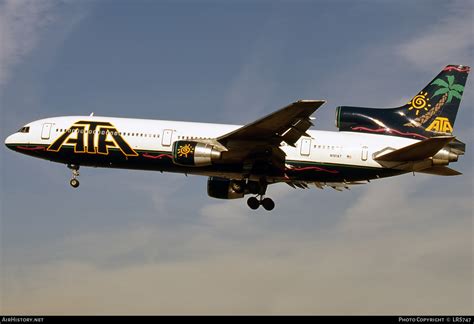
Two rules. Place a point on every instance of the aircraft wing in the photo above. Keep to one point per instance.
(258, 144)
(287, 124)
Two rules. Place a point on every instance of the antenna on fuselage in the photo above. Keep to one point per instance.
(92, 114)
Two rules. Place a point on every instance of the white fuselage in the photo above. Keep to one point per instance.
(345, 148)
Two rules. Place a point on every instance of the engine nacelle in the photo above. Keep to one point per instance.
(444, 157)
(223, 188)
(191, 153)
(354, 118)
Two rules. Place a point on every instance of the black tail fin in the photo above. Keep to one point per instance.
(432, 112)
(436, 106)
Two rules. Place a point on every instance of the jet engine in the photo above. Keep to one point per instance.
(224, 188)
(191, 153)
(444, 157)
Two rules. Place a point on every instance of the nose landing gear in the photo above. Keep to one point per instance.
(267, 203)
(75, 173)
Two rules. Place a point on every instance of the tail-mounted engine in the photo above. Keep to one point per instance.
(191, 153)
(444, 157)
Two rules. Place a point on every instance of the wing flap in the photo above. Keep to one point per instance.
(298, 129)
(418, 151)
(339, 186)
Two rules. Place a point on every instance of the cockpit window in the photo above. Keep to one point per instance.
(24, 130)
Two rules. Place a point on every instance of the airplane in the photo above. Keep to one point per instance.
(370, 143)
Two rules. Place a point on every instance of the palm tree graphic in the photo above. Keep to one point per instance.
(448, 90)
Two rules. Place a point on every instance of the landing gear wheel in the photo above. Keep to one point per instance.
(253, 203)
(268, 204)
(75, 173)
(74, 183)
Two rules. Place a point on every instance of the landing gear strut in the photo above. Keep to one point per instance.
(254, 202)
(75, 173)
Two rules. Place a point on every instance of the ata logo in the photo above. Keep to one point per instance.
(93, 138)
(440, 124)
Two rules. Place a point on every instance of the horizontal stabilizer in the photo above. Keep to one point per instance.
(441, 170)
(418, 151)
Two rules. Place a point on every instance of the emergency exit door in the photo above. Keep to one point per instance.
(305, 148)
(167, 137)
(365, 153)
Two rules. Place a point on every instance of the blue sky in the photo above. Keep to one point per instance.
(131, 242)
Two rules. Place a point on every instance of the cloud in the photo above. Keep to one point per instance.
(22, 23)
(254, 87)
(451, 40)
(270, 276)
(395, 250)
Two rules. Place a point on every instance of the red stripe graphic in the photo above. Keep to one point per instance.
(36, 148)
(384, 130)
(313, 168)
(157, 156)
(455, 68)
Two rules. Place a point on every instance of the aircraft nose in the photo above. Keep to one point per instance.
(10, 140)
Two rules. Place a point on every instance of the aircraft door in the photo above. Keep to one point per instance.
(365, 153)
(167, 137)
(46, 131)
(305, 148)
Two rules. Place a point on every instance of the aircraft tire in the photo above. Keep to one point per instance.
(253, 203)
(74, 183)
(268, 204)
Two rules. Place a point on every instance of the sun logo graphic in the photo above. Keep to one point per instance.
(420, 102)
(184, 150)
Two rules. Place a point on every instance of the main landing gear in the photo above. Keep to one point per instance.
(254, 202)
(258, 188)
(75, 173)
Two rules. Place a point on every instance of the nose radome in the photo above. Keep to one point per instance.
(9, 140)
